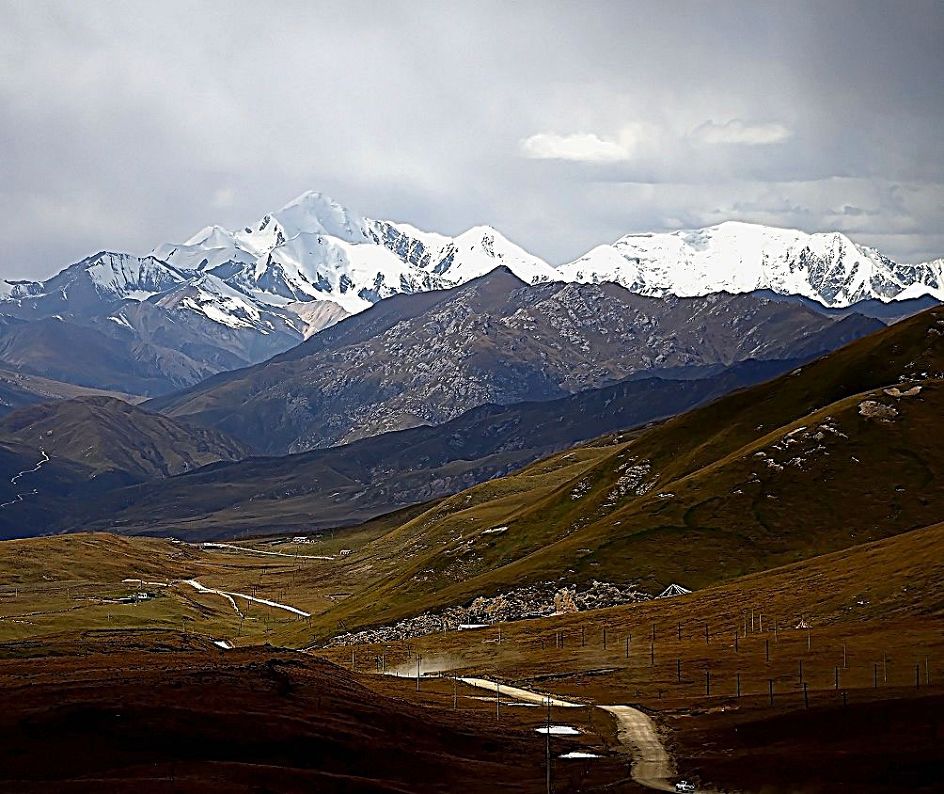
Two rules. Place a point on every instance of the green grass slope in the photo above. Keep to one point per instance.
(835, 454)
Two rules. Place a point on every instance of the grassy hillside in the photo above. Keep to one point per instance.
(840, 452)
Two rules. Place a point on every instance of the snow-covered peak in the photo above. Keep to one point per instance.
(104, 277)
(740, 257)
(311, 213)
(126, 276)
(316, 213)
(481, 249)
(212, 237)
(316, 249)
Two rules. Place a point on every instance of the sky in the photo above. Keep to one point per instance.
(563, 124)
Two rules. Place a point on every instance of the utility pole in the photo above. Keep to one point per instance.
(547, 744)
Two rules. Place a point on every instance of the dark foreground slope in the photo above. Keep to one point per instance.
(154, 712)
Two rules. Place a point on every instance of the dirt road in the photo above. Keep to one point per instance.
(652, 765)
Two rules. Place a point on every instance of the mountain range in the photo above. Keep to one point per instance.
(427, 358)
(229, 299)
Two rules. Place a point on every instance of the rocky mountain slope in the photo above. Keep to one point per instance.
(152, 329)
(425, 359)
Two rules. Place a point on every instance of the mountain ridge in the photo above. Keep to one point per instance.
(426, 358)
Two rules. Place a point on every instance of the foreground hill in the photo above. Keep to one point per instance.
(838, 453)
(425, 359)
(155, 712)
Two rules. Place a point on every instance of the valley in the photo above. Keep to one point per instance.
(801, 611)
(471, 397)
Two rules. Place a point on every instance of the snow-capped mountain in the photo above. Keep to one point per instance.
(229, 298)
(102, 278)
(742, 257)
(315, 249)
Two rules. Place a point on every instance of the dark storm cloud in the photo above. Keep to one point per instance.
(563, 124)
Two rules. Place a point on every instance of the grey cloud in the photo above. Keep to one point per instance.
(125, 125)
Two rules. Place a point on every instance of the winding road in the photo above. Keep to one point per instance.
(18, 475)
(232, 596)
(247, 550)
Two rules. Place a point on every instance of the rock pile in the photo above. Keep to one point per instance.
(530, 601)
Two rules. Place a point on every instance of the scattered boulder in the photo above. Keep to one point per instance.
(894, 391)
(873, 409)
